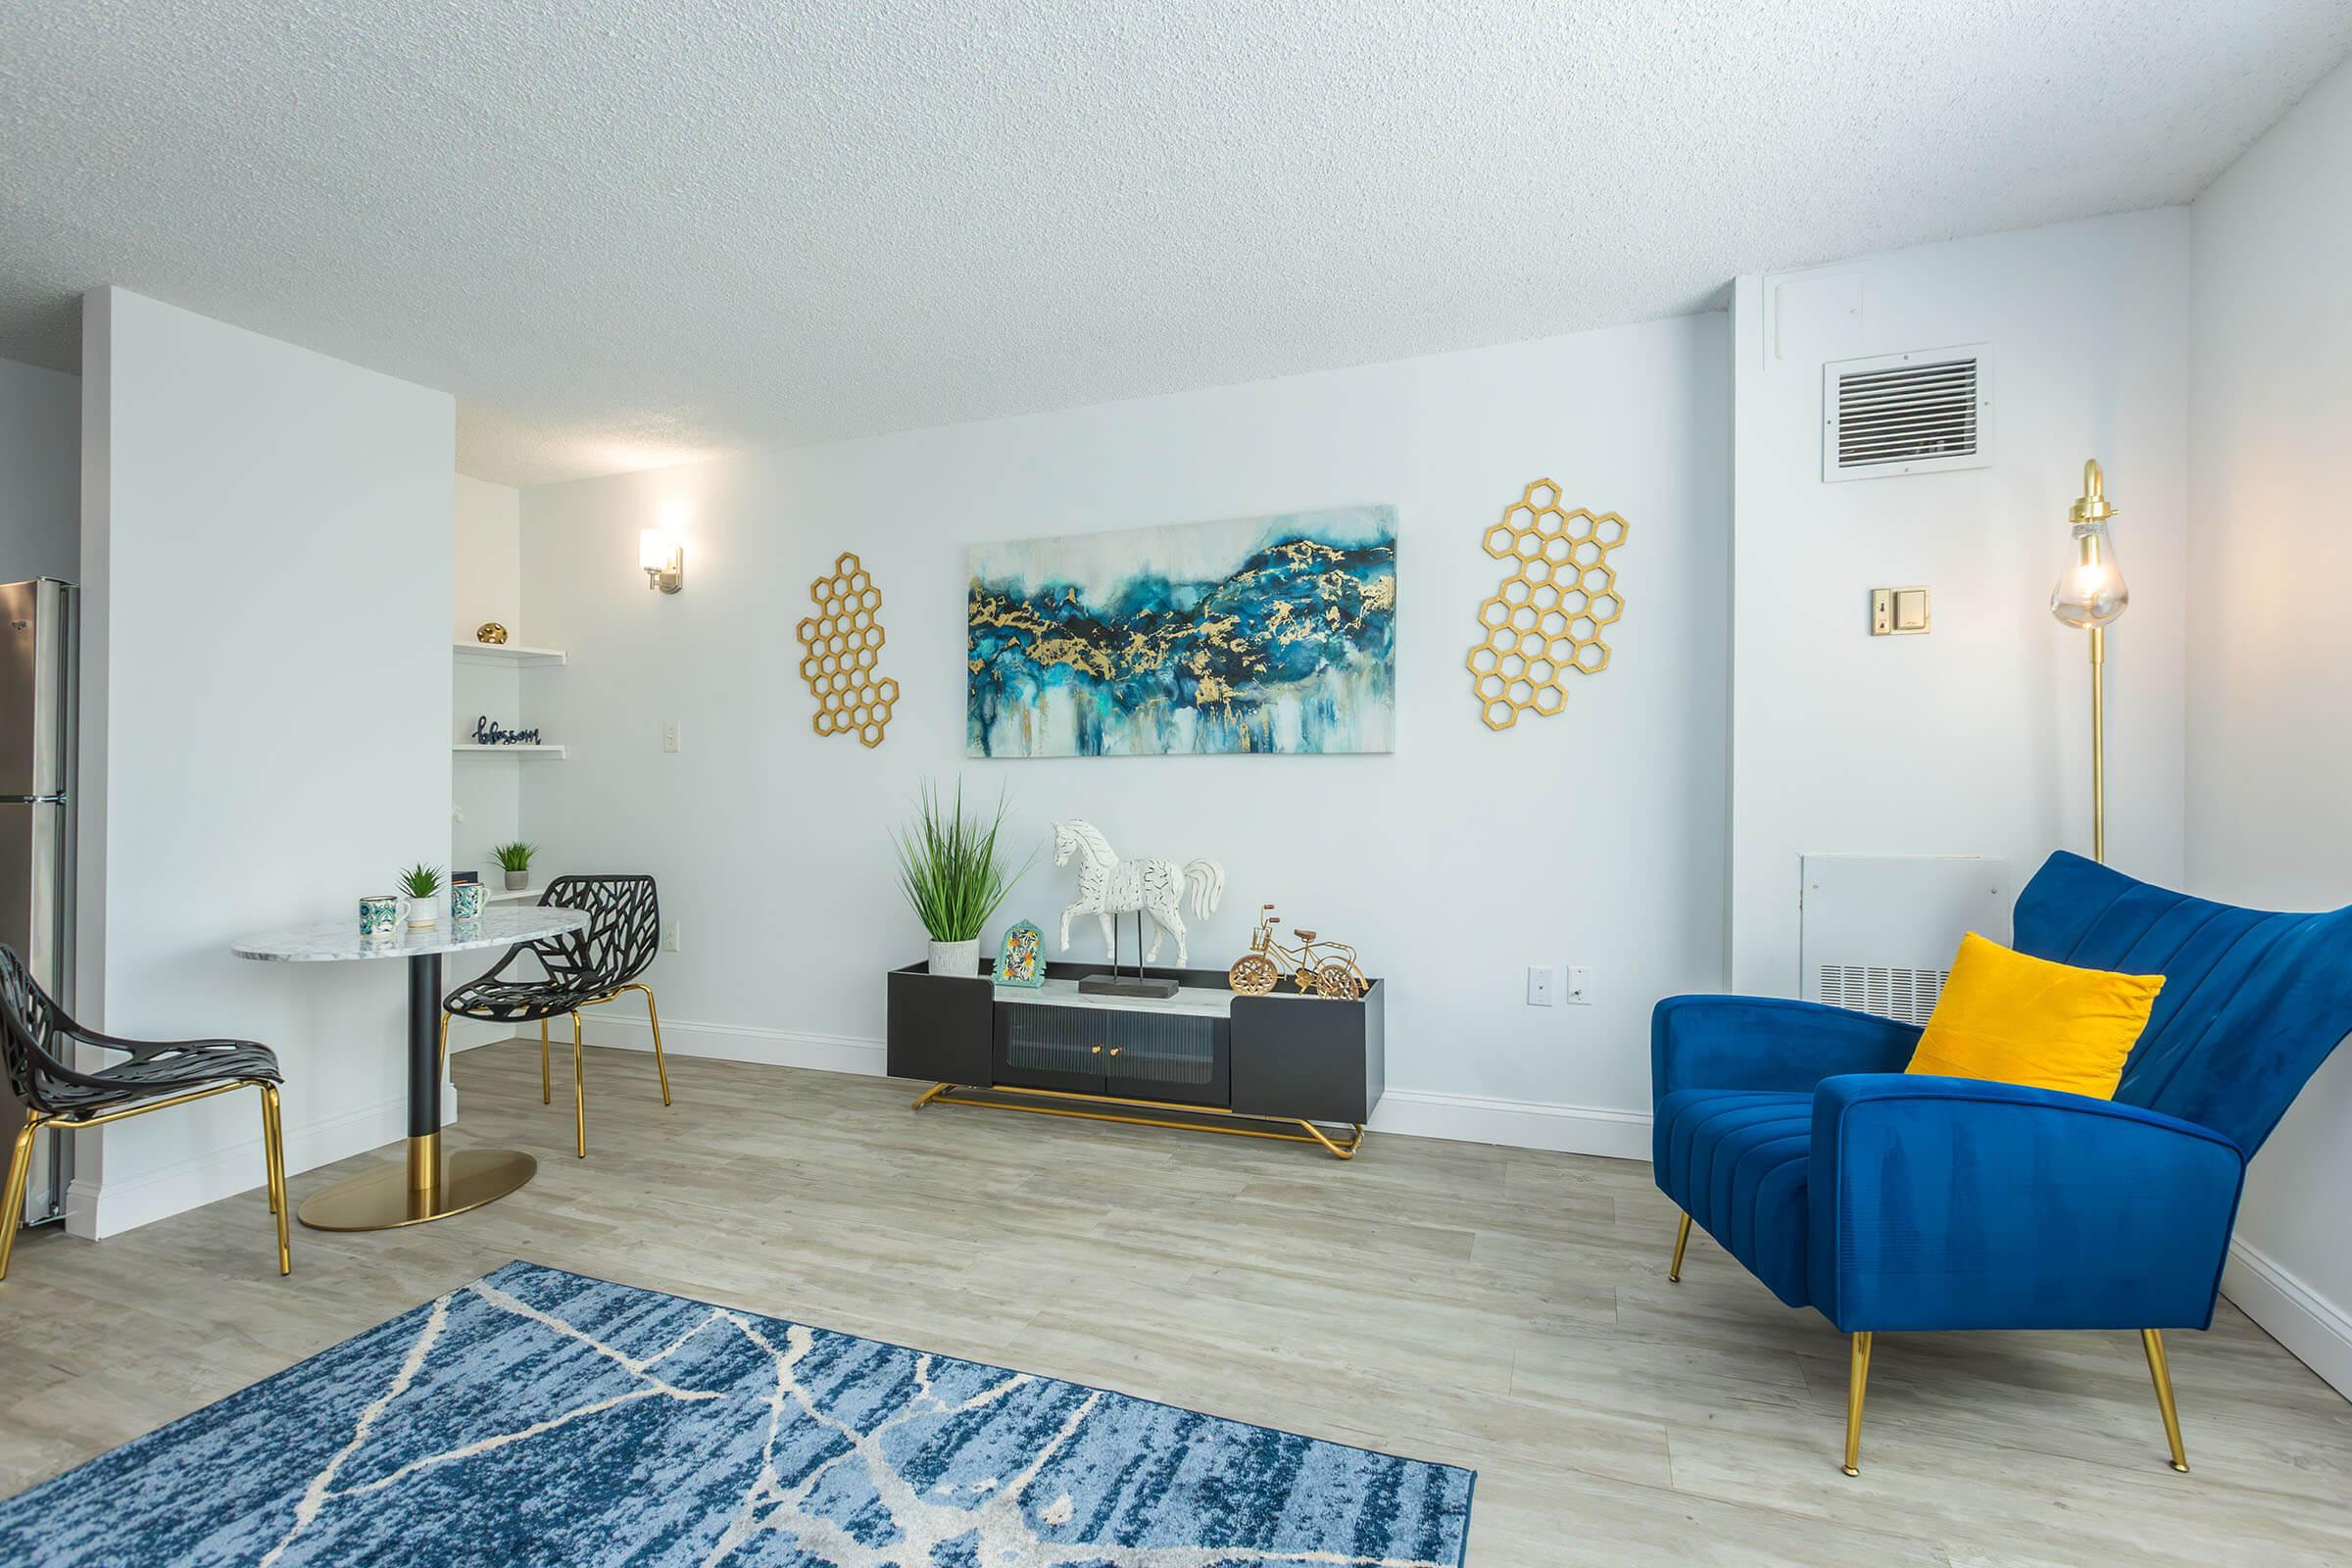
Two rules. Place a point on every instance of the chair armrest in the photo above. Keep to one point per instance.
(1958, 1204)
(1768, 1043)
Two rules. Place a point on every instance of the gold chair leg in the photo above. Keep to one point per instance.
(579, 1089)
(654, 1018)
(443, 1069)
(547, 1092)
(12, 1201)
(1857, 1376)
(2160, 1370)
(268, 1143)
(273, 1140)
(1682, 1239)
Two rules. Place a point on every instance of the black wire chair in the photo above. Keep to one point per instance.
(37, 1038)
(581, 969)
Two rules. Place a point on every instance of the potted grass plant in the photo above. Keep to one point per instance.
(420, 884)
(515, 861)
(951, 872)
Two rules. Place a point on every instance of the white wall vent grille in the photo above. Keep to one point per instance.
(1877, 933)
(1905, 993)
(1916, 413)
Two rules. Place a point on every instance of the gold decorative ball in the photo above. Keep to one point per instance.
(489, 632)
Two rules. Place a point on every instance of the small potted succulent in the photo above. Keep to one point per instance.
(950, 872)
(420, 884)
(515, 861)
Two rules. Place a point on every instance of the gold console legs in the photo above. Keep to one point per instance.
(1682, 1239)
(1200, 1118)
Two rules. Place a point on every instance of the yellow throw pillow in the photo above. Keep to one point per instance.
(2017, 1019)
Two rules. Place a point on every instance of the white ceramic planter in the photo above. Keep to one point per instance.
(956, 958)
(516, 881)
(423, 913)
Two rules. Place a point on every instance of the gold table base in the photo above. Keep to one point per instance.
(429, 1186)
(1184, 1119)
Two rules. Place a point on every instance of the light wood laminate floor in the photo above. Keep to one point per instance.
(1491, 1307)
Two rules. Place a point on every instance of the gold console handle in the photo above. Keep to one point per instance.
(1096, 1050)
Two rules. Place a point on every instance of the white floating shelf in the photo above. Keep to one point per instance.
(508, 653)
(518, 895)
(468, 749)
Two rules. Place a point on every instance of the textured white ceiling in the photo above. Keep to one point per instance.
(629, 234)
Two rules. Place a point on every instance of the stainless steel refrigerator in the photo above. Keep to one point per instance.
(37, 650)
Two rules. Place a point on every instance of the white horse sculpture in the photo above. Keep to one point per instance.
(1108, 887)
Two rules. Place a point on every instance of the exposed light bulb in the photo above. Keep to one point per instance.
(2091, 592)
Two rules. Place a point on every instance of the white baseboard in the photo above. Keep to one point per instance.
(101, 1208)
(466, 1033)
(2317, 1330)
(733, 1042)
(1410, 1112)
(1514, 1123)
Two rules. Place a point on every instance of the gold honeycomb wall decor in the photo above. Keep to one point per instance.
(840, 646)
(1545, 619)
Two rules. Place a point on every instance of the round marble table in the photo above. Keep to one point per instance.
(432, 1185)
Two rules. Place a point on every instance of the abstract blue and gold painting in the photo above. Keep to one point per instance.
(1260, 634)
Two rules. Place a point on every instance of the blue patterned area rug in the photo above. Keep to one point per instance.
(536, 1416)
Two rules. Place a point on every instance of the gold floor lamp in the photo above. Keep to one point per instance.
(2091, 594)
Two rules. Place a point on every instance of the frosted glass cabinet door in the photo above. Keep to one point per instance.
(1143, 1055)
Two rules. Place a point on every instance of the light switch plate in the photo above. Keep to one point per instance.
(670, 735)
(1899, 611)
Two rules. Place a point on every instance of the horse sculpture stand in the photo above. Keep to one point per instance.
(1110, 887)
(1116, 983)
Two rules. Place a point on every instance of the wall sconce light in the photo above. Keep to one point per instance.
(664, 560)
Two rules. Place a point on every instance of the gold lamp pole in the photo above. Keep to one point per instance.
(2091, 594)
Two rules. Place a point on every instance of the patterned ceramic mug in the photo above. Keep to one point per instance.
(465, 899)
(379, 915)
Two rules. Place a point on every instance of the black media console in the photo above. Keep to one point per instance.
(1306, 1069)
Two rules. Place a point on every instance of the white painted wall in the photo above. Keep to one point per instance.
(1974, 739)
(40, 473)
(489, 558)
(266, 558)
(1596, 837)
(2269, 698)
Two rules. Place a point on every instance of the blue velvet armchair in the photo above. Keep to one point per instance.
(1789, 1132)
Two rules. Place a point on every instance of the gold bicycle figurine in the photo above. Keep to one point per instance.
(1325, 968)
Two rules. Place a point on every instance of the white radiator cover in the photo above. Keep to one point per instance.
(1878, 932)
